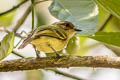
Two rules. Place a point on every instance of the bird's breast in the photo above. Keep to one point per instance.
(43, 42)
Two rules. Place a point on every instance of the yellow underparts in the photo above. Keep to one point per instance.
(42, 43)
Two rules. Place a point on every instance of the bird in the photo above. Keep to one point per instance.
(51, 38)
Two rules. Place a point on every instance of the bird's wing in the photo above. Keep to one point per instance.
(51, 31)
(45, 31)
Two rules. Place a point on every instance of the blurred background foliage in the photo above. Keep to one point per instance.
(78, 45)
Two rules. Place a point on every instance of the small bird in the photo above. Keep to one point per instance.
(51, 38)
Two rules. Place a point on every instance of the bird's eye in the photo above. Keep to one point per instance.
(67, 25)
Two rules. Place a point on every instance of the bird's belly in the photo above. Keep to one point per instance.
(42, 43)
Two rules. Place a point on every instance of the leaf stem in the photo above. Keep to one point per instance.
(32, 8)
(17, 54)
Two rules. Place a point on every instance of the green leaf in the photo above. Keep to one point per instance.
(77, 46)
(113, 23)
(82, 13)
(72, 45)
(103, 14)
(6, 19)
(7, 45)
(112, 38)
(113, 6)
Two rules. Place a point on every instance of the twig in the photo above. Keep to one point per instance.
(62, 62)
(105, 23)
(66, 74)
(17, 54)
(15, 7)
(32, 8)
(22, 19)
(16, 34)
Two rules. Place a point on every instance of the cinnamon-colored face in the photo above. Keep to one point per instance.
(67, 25)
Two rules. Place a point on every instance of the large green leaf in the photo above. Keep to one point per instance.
(7, 45)
(112, 6)
(82, 13)
(112, 25)
(112, 38)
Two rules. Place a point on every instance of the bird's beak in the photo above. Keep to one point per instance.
(77, 30)
(25, 42)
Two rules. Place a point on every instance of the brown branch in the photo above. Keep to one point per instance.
(62, 62)
(54, 70)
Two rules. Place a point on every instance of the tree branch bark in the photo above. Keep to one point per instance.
(63, 62)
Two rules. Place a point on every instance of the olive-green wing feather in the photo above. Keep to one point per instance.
(51, 31)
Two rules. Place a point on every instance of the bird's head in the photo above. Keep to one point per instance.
(67, 26)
